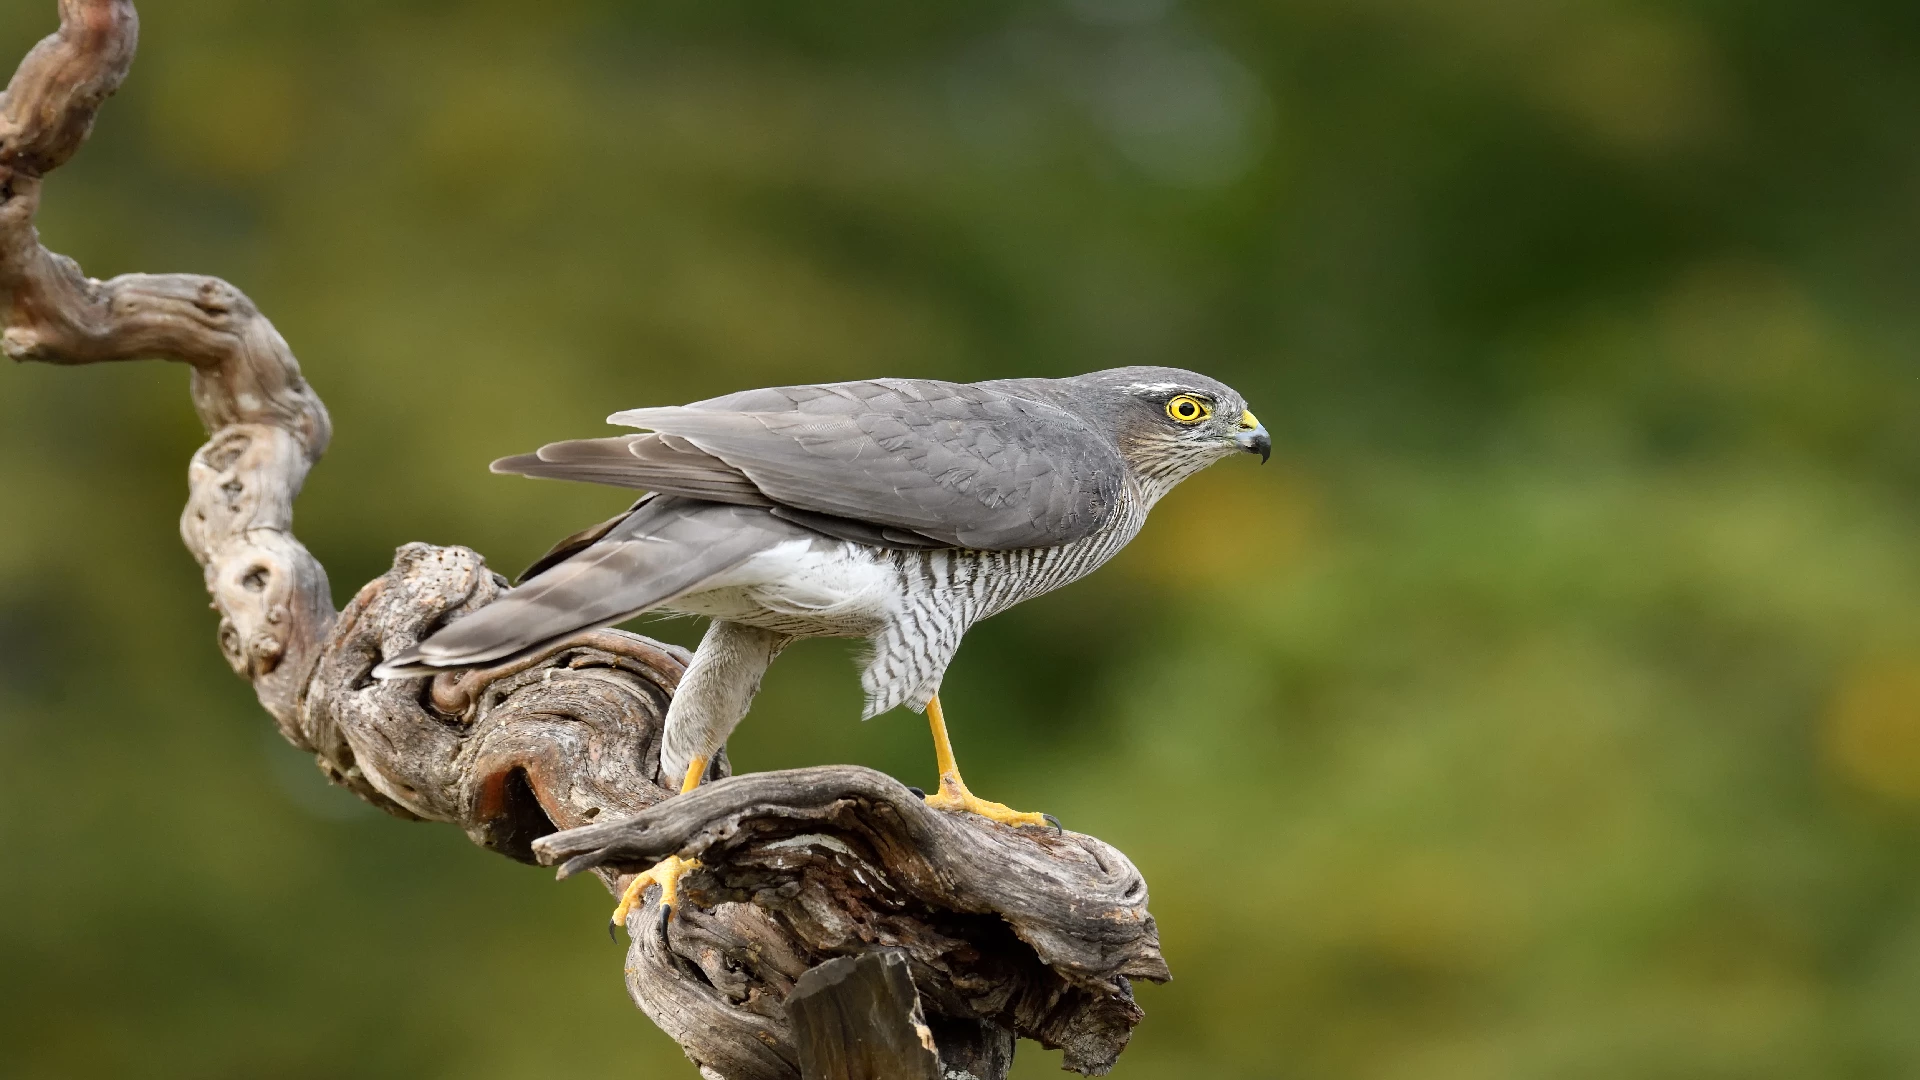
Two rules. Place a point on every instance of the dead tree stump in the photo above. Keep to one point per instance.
(823, 891)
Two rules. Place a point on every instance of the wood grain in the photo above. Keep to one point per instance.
(859, 1018)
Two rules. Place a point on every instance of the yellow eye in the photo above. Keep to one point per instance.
(1187, 409)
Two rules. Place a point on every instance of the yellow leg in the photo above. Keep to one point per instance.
(953, 793)
(665, 873)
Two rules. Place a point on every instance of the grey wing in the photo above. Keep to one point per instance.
(904, 462)
(573, 545)
(635, 461)
(650, 462)
(663, 549)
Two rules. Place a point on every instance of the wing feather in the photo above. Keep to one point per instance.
(665, 548)
(969, 465)
(959, 465)
(648, 462)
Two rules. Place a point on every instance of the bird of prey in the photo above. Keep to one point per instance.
(901, 511)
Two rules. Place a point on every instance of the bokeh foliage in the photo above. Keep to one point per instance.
(1550, 707)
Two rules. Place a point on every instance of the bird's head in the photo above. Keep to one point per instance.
(1168, 423)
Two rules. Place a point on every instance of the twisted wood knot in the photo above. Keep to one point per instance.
(225, 448)
(215, 297)
(457, 693)
(98, 25)
(23, 343)
(264, 653)
(258, 654)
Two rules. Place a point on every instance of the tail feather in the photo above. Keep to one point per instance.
(663, 550)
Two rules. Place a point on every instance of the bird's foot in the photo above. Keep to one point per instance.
(666, 873)
(953, 795)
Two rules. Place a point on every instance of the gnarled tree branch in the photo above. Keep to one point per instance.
(1005, 932)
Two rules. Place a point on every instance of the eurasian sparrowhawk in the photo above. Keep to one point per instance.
(902, 511)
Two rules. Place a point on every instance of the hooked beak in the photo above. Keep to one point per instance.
(1253, 437)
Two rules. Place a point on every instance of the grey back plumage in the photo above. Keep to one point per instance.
(935, 463)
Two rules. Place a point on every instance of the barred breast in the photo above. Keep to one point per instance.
(944, 592)
(913, 605)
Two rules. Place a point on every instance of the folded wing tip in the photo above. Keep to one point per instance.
(421, 659)
(401, 667)
(639, 418)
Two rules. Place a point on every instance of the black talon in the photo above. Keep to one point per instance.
(666, 913)
(613, 931)
(917, 793)
(1055, 822)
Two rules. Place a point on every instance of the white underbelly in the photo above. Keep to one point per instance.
(807, 588)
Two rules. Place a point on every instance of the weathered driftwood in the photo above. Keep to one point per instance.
(1004, 931)
(860, 1018)
(1033, 931)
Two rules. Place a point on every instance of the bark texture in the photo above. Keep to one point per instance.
(1004, 931)
(859, 1018)
(1029, 931)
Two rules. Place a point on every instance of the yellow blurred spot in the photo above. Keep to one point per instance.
(1248, 421)
(225, 115)
(1638, 83)
(1429, 913)
(1634, 81)
(1229, 526)
(1871, 732)
(1740, 324)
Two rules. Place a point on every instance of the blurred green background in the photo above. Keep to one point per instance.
(1550, 707)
